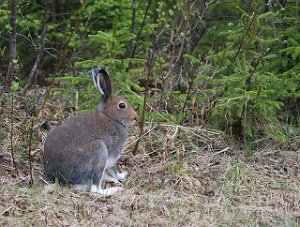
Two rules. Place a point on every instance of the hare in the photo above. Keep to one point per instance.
(83, 150)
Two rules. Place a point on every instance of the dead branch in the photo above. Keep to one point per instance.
(149, 72)
(14, 164)
(186, 11)
(244, 37)
(39, 53)
(141, 29)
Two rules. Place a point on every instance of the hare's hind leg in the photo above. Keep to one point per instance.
(121, 176)
(109, 178)
(99, 172)
(98, 187)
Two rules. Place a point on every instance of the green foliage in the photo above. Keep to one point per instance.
(111, 48)
(241, 75)
(15, 87)
(87, 97)
(257, 74)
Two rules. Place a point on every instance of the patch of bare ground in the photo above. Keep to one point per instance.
(180, 176)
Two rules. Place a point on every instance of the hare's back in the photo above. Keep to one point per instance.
(75, 132)
(70, 146)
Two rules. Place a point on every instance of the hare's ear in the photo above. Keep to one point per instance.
(102, 82)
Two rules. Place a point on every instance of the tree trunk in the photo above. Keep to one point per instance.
(53, 3)
(13, 46)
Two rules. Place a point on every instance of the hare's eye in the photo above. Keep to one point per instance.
(122, 105)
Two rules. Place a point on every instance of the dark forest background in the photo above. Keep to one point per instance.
(229, 65)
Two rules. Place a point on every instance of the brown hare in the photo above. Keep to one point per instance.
(83, 150)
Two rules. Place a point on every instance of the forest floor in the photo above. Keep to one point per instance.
(179, 176)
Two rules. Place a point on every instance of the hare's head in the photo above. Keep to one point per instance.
(113, 106)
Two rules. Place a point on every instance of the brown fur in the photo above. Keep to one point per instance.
(83, 146)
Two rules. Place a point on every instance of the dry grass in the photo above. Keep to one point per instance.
(179, 177)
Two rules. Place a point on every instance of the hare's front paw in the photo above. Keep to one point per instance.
(113, 173)
(108, 191)
(109, 178)
(122, 175)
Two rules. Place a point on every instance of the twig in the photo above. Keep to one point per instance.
(271, 9)
(243, 38)
(76, 102)
(12, 134)
(32, 112)
(7, 167)
(26, 38)
(221, 151)
(141, 29)
(165, 148)
(205, 136)
(248, 80)
(190, 128)
(188, 93)
(193, 112)
(141, 136)
(149, 72)
(29, 148)
(133, 21)
(135, 43)
(187, 8)
(40, 52)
